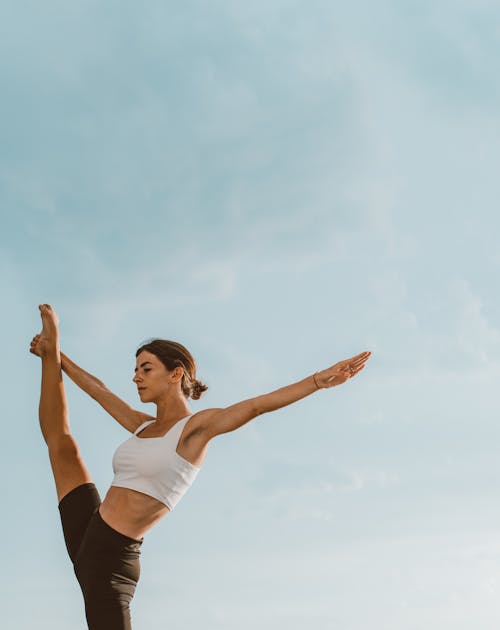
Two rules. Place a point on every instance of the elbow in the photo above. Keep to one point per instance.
(258, 408)
(96, 390)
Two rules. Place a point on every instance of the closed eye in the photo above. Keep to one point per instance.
(142, 365)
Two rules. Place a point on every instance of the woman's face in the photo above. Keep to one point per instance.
(152, 377)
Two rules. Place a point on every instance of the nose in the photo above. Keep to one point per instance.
(136, 378)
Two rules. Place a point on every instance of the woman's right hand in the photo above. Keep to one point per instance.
(35, 346)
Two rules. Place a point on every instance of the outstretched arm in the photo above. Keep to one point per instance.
(235, 416)
(96, 389)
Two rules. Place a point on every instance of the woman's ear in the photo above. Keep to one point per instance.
(177, 374)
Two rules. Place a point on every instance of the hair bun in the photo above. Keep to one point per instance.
(197, 389)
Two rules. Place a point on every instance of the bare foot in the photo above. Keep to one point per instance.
(48, 339)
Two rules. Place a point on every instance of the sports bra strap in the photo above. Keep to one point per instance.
(143, 426)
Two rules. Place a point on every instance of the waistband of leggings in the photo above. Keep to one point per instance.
(117, 537)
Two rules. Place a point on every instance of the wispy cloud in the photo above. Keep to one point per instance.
(274, 185)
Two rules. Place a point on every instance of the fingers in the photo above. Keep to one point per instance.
(346, 369)
(354, 372)
(359, 359)
(350, 367)
(34, 343)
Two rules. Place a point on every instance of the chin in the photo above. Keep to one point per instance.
(145, 398)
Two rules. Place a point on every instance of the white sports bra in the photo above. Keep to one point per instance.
(153, 466)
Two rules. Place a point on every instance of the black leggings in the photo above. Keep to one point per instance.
(106, 563)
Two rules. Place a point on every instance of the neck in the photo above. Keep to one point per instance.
(170, 408)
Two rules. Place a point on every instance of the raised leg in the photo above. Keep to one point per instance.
(67, 464)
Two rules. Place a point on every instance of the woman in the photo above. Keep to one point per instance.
(153, 469)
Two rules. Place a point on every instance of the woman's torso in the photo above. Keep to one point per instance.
(133, 513)
(130, 512)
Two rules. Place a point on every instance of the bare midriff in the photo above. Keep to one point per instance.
(130, 512)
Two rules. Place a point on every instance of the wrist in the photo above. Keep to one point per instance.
(315, 381)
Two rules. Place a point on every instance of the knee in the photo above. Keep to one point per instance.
(63, 446)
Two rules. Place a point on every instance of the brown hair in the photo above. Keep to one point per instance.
(172, 355)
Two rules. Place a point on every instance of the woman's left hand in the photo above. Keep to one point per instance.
(341, 371)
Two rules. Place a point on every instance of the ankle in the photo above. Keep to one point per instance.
(51, 354)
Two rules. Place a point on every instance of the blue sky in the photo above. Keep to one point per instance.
(278, 186)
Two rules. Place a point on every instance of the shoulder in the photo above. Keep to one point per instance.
(201, 420)
(196, 431)
(139, 420)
